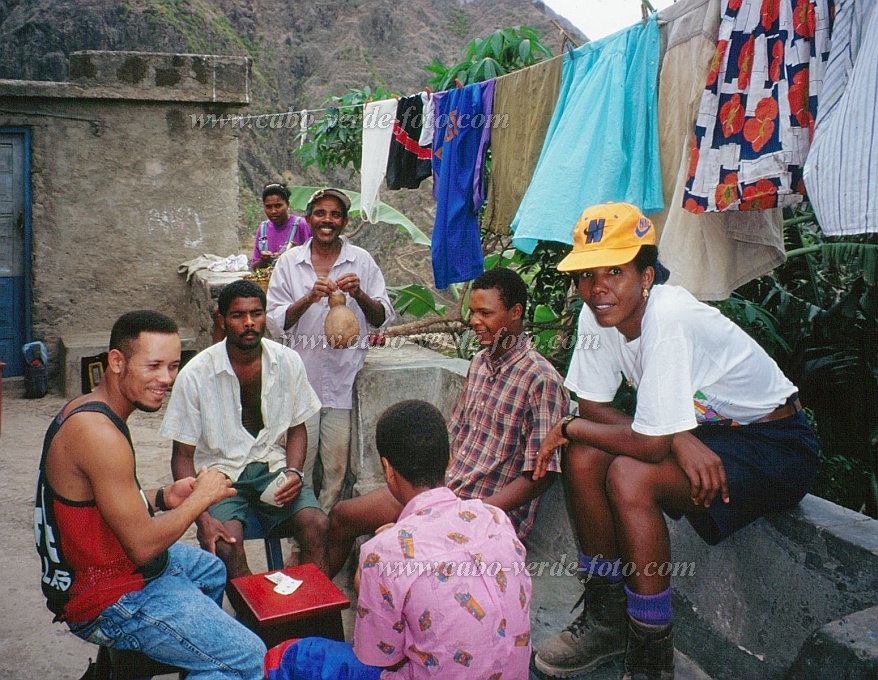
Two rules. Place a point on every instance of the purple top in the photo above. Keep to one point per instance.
(275, 238)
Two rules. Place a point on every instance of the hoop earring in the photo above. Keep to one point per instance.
(646, 293)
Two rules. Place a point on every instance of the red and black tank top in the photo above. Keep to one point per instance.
(84, 568)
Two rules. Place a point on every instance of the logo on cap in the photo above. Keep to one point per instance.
(595, 231)
(642, 227)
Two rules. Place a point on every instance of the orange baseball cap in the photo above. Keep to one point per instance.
(606, 235)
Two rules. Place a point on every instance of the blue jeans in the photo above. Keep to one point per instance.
(177, 619)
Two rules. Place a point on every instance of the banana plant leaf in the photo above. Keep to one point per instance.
(416, 300)
(299, 201)
(545, 339)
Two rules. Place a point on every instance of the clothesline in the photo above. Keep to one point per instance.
(720, 225)
(304, 114)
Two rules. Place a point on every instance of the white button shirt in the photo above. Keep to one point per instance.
(331, 372)
(205, 409)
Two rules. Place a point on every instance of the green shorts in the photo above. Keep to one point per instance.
(251, 483)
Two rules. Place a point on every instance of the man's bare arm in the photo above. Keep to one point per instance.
(520, 491)
(210, 530)
(297, 445)
(182, 460)
(102, 454)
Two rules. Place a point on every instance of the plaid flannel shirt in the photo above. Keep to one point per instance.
(504, 412)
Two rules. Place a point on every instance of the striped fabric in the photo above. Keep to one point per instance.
(841, 172)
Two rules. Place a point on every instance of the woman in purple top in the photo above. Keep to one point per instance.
(280, 231)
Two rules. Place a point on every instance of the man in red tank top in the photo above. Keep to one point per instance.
(111, 568)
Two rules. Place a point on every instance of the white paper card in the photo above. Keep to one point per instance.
(268, 495)
(285, 585)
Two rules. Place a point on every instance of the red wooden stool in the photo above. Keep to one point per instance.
(313, 610)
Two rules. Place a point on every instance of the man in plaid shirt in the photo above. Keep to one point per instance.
(510, 400)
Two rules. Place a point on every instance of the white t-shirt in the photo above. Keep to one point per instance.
(688, 354)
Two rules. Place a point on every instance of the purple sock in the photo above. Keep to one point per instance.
(601, 567)
(654, 610)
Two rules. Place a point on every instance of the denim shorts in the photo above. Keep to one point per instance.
(769, 468)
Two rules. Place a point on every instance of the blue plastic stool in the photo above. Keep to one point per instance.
(274, 555)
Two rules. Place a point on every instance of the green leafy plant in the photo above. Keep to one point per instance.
(497, 54)
(416, 300)
(817, 315)
(335, 140)
(760, 324)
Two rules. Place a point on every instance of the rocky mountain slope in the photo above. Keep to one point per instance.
(302, 53)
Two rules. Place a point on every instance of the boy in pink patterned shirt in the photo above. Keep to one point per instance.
(444, 592)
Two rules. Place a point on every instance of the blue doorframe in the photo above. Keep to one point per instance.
(18, 287)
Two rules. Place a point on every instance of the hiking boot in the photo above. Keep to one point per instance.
(596, 636)
(650, 653)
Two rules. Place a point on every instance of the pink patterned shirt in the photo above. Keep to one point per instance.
(445, 588)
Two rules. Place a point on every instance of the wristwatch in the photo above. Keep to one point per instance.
(297, 471)
(160, 500)
(564, 423)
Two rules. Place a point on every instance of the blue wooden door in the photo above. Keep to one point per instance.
(13, 322)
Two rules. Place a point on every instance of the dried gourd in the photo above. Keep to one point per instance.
(341, 326)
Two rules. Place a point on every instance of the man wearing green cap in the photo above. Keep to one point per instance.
(303, 279)
(718, 435)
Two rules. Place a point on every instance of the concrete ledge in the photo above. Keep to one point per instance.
(758, 595)
(393, 374)
(75, 346)
(151, 76)
(847, 648)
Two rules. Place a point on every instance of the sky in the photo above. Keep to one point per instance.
(597, 18)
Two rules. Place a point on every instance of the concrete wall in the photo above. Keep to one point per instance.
(124, 188)
(393, 374)
(759, 594)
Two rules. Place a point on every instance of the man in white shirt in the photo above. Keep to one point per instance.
(240, 406)
(303, 279)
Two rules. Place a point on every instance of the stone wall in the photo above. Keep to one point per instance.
(124, 187)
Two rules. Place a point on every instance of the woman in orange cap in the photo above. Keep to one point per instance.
(718, 435)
